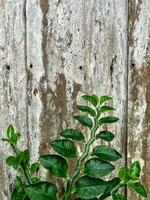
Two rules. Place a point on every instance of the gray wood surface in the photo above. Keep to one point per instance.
(52, 52)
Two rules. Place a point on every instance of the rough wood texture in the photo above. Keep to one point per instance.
(139, 88)
(53, 51)
(13, 82)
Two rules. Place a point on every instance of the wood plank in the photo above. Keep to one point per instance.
(139, 84)
(74, 47)
(13, 82)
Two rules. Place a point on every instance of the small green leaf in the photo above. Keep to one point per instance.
(98, 168)
(26, 156)
(18, 182)
(135, 170)
(108, 119)
(93, 99)
(110, 186)
(118, 197)
(10, 131)
(42, 191)
(84, 120)
(106, 153)
(105, 135)
(34, 167)
(88, 187)
(103, 99)
(57, 165)
(124, 174)
(64, 147)
(139, 188)
(106, 108)
(72, 134)
(15, 161)
(35, 179)
(87, 110)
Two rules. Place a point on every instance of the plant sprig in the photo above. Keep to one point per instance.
(87, 179)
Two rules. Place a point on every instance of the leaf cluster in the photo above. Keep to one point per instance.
(87, 180)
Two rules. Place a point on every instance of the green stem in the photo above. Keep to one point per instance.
(23, 165)
(76, 172)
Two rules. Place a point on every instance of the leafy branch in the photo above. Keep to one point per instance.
(95, 163)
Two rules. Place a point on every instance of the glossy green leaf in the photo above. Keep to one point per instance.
(108, 119)
(93, 99)
(88, 187)
(139, 188)
(124, 174)
(135, 170)
(57, 165)
(105, 135)
(12, 136)
(86, 109)
(42, 191)
(84, 120)
(73, 134)
(34, 167)
(105, 109)
(35, 179)
(118, 197)
(106, 153)
(98, 168)
(110, 185)
(15, 161)
(103, 99)
(10, 131)
(64, 147)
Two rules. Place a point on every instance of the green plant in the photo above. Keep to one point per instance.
(86, 181)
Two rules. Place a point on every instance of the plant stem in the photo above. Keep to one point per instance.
(76, 172)
(24, 166)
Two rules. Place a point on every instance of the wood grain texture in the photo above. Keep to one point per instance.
(13, 83)
(52, 52)
(139, 88)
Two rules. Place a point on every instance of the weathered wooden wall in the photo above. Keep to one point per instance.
(53, 51)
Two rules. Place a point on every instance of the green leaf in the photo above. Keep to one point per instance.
(118, 197)
(103, 99)
(84, 120)
(93, 99)
(57, 165)
(26, 156)
(106, 108)
(135, 170)
(64, 147)
(124, 174)
(35, 179)
(12, 136)
(18, 194)
(34, 167)
(42, 191)
(18, 182)
(88, 187)
(87, 110)
(98, 168)
(110, 186)
(15, 161)
(108, 119)
(139, 188)
(10, 131)
(72, 134)
(105, 135)
(106, 153)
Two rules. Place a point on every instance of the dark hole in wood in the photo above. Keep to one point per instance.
(133, 64)
(7, 67)
(80, 67)
(31, 66)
